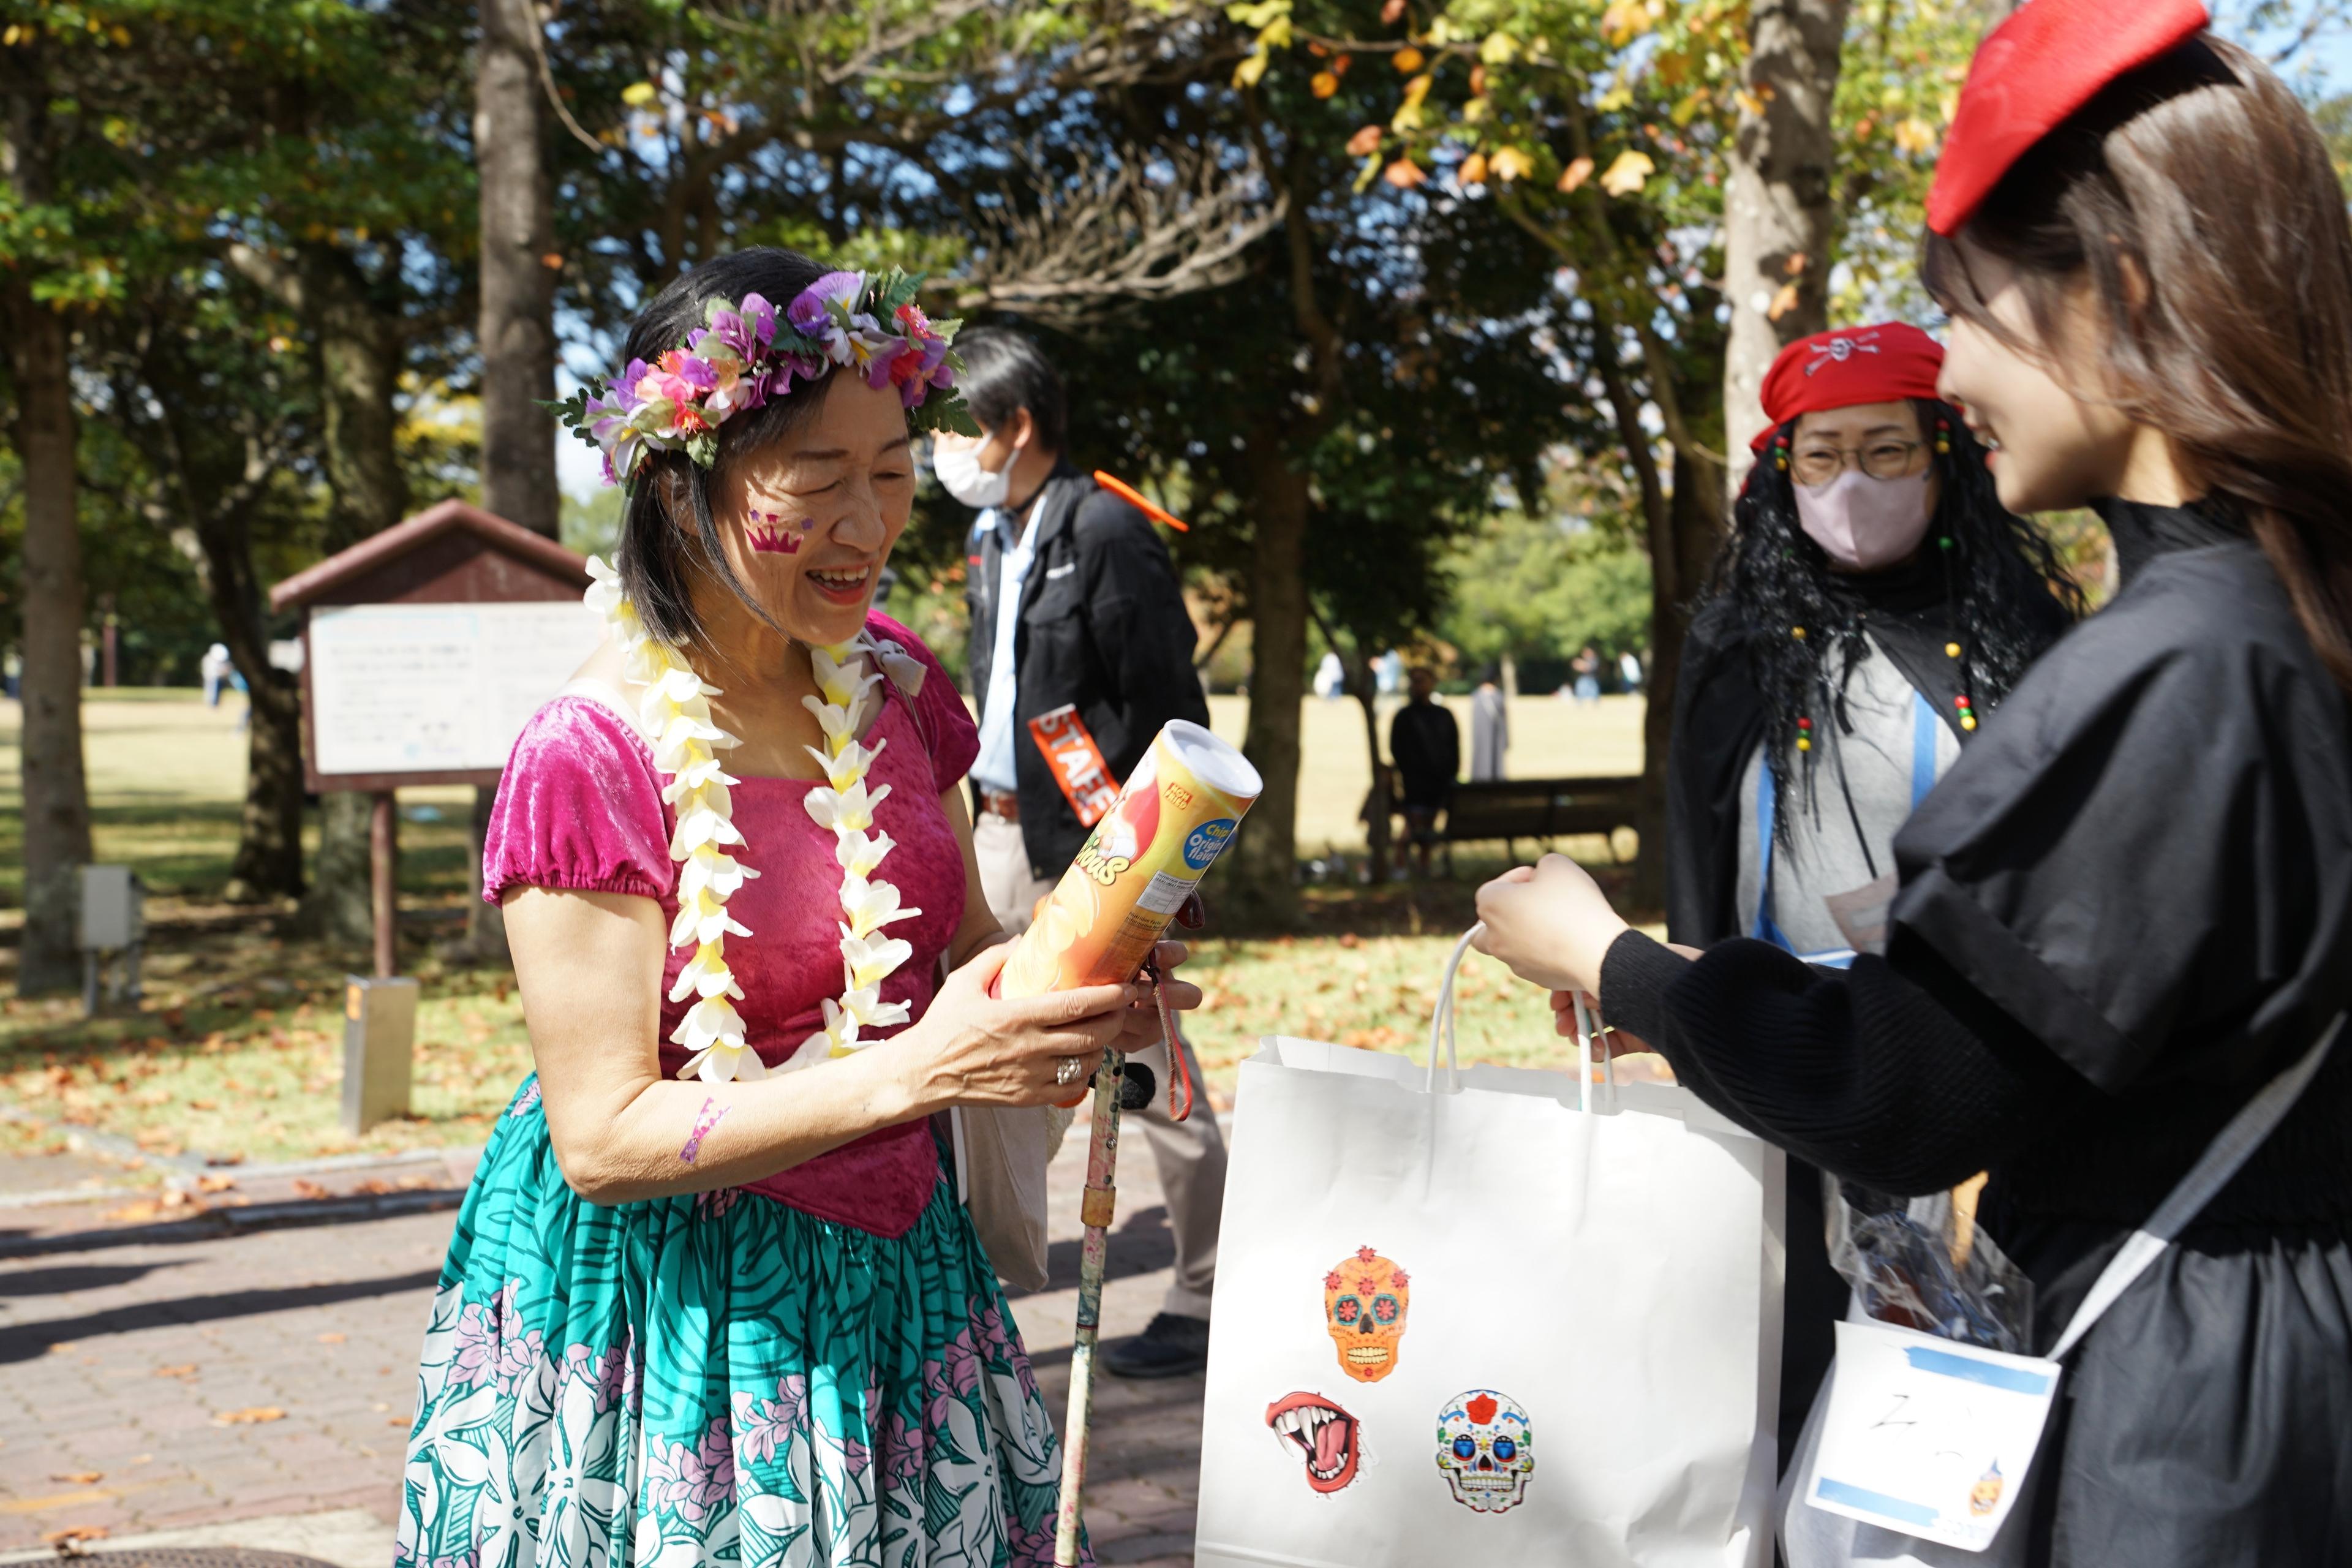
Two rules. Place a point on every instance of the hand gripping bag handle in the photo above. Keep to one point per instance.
(1441, 1033)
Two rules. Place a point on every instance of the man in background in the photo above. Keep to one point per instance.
(1078, 630)
(1490, 726)
(1426, 744)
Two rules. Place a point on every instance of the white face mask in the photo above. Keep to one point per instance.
(958, 469)
(1864, 523)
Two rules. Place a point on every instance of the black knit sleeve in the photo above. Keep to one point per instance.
(1905, 1083)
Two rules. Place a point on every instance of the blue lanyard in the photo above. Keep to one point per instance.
(1925, 726)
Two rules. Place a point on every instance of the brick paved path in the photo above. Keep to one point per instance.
(122, 1350)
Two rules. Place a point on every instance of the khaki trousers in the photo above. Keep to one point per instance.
(1190, 1154)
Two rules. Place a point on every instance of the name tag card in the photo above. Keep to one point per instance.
(1926, 1435)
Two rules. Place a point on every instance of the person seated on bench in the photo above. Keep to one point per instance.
(1425, 744)
(1871, 602)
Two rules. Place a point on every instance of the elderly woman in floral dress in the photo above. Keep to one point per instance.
(709, 1299)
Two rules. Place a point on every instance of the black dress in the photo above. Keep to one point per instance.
(1719, 721)
(2125, 908)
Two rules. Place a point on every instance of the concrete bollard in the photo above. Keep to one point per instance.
(379, 1049)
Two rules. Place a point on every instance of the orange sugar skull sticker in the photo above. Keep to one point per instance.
(1984, 1496)
(1365, 1301)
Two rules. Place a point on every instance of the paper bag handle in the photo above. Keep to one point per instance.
(1441, 1033)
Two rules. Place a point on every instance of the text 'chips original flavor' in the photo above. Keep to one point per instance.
(1143, 859)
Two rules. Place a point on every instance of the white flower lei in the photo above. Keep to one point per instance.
(675, 714)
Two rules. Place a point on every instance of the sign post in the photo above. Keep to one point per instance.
(425, 649)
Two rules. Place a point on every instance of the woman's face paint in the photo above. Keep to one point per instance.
(771, 534)
(709, 1116)
(821, 509)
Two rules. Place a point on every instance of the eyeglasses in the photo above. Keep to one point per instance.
(1881, 460)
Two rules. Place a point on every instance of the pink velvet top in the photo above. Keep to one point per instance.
(580, 808)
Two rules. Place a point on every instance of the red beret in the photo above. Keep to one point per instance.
(2051, 57)
(1847, 365)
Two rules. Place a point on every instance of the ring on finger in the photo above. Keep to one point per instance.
(1067, 1070)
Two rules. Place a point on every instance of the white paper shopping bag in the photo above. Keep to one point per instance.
(1459, 1319)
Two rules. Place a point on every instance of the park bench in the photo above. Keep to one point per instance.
(1513, 809)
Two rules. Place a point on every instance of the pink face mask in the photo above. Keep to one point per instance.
(1865, 524)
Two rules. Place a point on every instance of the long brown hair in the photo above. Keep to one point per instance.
(2204, 173)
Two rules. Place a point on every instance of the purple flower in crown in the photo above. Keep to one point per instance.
(821, 311)
(745, 330)
(612, 424)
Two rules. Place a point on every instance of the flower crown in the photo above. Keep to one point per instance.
(743, 356)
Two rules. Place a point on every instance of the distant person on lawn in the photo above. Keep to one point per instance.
(1490, 726)
(1426, 744)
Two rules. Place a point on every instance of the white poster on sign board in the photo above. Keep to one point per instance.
(401, 689)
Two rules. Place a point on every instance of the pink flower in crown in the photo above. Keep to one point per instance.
(680, 379)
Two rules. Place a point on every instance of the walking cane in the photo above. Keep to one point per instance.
(1114, 1091)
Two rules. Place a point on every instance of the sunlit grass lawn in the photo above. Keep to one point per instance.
(237, 1051)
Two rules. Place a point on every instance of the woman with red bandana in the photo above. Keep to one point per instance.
(2121, 949)
(1873, 602)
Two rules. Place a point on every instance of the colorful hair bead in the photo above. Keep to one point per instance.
(1943, 436)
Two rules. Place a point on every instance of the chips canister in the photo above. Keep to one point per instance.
(1175, 815)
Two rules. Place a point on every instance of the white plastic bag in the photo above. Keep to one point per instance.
(1461, 1318)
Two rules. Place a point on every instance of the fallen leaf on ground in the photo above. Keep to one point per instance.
(79, 1478)
(188, 1369)
(67, 1540)
(331, 1339)
(253, 1416)
(303, 1189)
(215, 1183)
(400, 1421)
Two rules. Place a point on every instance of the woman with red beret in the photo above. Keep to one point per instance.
(2121, 949)
(1872, 601)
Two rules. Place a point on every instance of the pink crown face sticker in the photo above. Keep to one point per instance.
(770, 534)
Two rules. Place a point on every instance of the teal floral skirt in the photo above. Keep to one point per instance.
(716, 1379)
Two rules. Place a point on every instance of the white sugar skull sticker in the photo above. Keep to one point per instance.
(1485, 1450)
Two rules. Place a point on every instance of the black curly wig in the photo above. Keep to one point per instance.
(1770, 577)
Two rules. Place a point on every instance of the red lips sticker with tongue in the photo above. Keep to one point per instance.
(1327, 1437)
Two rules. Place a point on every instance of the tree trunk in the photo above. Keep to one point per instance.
(518, 320)
(269, 861)
(56, 792)
(359, 355)
(1777, 203)
(517, 334)
(1677, 574)
(1263, 882)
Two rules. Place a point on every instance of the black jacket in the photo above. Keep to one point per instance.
(1103, 625)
